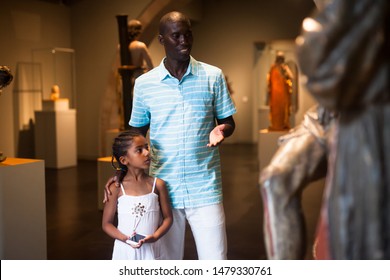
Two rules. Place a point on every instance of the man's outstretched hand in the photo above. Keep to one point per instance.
(216, 136)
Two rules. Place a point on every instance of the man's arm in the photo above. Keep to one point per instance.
(142, 129)
(224, 129)
(230, 125)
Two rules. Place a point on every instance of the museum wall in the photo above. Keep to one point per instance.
(225, 35)
(26, 25)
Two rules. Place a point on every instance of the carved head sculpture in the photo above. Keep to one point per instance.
(55, 92)
(134, 28)
(279, 57)
(6, 77)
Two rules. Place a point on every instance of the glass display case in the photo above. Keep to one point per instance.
(34, 81)
(28, 93)
(57, 69)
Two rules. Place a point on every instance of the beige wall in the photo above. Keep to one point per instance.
(26, 25)
(224, 36)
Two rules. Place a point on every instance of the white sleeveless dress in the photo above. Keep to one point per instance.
(139, 214)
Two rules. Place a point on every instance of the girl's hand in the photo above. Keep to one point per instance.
(132, 243)
(148, 239)
(136, 246)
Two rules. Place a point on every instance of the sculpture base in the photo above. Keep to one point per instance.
(61, 104)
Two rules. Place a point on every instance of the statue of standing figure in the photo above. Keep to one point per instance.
(280, 90)
(113, 115)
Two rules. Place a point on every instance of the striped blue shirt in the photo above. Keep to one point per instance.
(181, 115)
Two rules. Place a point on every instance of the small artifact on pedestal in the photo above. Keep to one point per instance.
(55, 103)
(55, 92)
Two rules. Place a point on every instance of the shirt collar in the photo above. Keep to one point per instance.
(192, 69)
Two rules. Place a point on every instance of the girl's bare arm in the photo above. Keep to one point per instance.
(109, 215)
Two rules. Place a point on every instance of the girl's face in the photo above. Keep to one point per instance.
(138, 155)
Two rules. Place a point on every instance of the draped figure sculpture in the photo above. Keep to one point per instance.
(343, 52)
(279, 82)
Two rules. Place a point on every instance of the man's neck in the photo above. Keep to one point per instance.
(176, 68)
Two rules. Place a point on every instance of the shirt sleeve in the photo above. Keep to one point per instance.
(140, 115)
(224, 106)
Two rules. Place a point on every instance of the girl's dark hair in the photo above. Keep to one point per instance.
(119, 148)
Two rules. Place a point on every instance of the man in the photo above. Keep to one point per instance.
(181, 101)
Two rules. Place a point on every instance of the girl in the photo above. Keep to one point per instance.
(142, 202)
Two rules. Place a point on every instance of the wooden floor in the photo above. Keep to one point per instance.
(74, 221)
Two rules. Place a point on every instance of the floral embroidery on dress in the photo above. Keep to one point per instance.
(138, 210)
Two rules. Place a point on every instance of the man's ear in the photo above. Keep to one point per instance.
(161, 39)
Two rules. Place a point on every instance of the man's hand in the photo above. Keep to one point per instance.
(107, 191)
(216, 136)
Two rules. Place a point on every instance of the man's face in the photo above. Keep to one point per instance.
(177, 40)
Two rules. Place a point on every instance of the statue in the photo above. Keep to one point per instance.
(55, 93)
(280, 89)
(300, 159)
(140, 56)
(139, 63)
(132, 58)
(6, 78)
(342, 53)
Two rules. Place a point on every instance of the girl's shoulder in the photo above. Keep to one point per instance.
(160, 184)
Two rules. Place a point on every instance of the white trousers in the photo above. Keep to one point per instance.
(208, 228)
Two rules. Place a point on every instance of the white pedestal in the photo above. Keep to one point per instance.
(61, 104)
(105, 171)
(22, 210)
(263, 117)
(268, 144)
(55, 138)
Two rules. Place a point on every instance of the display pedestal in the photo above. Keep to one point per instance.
(263, 117)
(61, 104)
(22, 210)
(268, 145)
(105, 171)
(55, 135)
